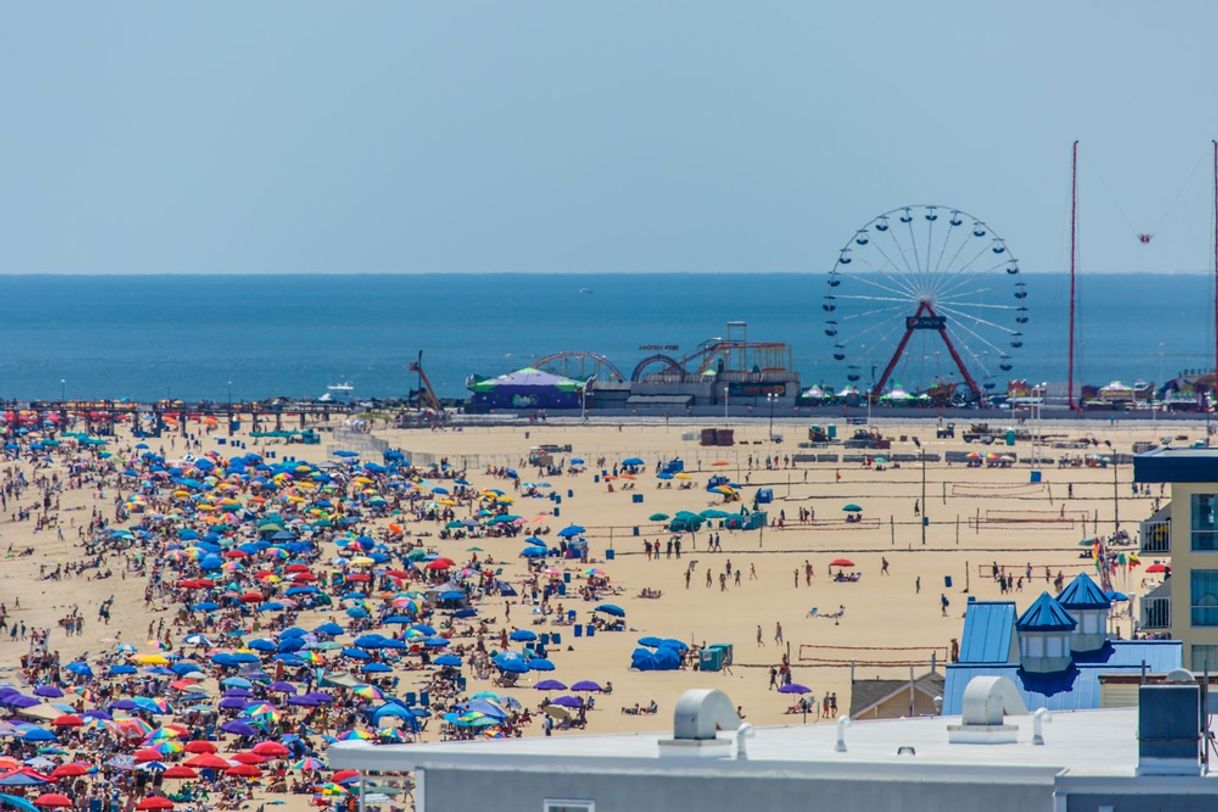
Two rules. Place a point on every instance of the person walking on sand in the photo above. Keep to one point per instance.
(760, 642)
(943, 603)
(708, 578)
(883, 565)
(918, 585)
(773, 678)
(778, 633)
(688, 573)
(796, 572)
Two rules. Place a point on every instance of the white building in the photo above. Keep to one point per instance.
(1089, 760)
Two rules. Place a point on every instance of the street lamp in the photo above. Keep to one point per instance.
(230, 392)
(63, 390)
(870, 394)
(924, 518)
(772, 397)
(725, 394)
(1116, 495)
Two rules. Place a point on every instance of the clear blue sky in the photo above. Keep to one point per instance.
(276, 137)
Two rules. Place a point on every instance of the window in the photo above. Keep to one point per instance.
(569, 806)
(1204, 585)
(1034, 646)
(1203, 655)
(1054, 647)
(1205, 521)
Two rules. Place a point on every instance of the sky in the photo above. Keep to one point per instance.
(633, 137)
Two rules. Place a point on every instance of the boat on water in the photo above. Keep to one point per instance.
(338, 393)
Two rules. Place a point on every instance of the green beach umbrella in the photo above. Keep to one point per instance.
(852, 508)
(658, 517)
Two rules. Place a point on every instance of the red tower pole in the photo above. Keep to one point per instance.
(1073, 258)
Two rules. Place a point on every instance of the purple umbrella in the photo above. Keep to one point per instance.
(282, 687)
(232, 703)
(239, 728)
(244, 693)
(321, 696)
(586, 685)
(550, 685)
(20, 701)
(306, 701)
(794, 688)
(49, 691)
(123, 704)
(568, 702)
(96, 713)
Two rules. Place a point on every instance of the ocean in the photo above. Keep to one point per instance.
(192, 337)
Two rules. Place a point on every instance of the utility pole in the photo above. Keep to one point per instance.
(922, 454)
(1116, 496)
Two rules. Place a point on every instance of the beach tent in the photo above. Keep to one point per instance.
(526, 388)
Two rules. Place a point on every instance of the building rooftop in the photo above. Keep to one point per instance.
(1094, 742)
(1176, 465)
(1045, 615)
(1076, 688)
(989, 628)
(865, 694)
(1083, 593)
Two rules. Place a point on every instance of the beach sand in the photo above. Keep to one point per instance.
(886, 624)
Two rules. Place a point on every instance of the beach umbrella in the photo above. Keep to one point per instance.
(550, 685)
(658, 517)
(611, 609)
(841, 562)
(69, 771)
(155, 802)
(309, 764)
(207, 761)
(238, 727)
(201, 746)
(50, 691)
(522, 636)
(795, 688)
(244, 771)
(52, 800)
(587, 685)
(572, 530)
(1158, 567)
(67, 720)
(567, 701)
(540, 664)
(448, 661)
(650, 642)
(17, 803)
(22, 777)
(676, 645)
(852, 508)
(179, 771)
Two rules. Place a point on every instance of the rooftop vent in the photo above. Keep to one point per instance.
(697, 718)
(985, 701)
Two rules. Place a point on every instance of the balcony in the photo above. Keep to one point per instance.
(1155, 536)
(1156, 613)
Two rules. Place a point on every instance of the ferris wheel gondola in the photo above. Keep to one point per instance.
(918, 280)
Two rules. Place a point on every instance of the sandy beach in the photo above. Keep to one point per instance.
(887, 623)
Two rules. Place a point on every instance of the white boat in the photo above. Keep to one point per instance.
(338, 393)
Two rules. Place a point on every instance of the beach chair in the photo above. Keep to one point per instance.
(556, 638)
(579, 630)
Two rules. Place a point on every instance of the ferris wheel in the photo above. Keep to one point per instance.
(931, 296)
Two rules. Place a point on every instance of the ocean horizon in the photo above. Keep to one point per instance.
(147, 337)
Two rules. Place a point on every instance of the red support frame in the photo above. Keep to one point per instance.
(925, 309)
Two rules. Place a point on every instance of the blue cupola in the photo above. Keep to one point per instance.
(1086, 602)
(1045, 629)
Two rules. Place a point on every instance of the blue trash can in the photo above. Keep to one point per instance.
(634, 531)
(596, 478)
(579, 630)
(544, 640)
(562, 590)
(592, 631)
(425, 699)
(557, 511)
(566, 577)
(570, 493)
(610, 554)
(1035, 477)
(636, 498)
(947, 581)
